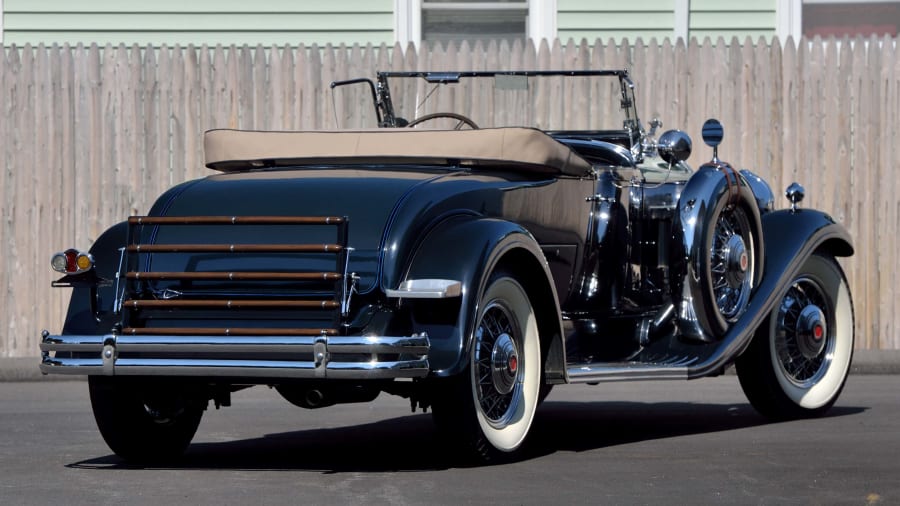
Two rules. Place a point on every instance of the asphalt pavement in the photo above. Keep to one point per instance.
(667, 443)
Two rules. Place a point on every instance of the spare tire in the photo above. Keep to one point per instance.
(718, 258)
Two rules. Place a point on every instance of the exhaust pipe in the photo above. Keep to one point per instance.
(322, 395)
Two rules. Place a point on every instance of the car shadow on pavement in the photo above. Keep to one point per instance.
(573, 426)
(411, 443)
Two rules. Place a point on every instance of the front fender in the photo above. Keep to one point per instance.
(707, 194)
(790, 238)
(468, 249)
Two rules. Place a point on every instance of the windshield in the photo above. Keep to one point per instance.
(547, 100)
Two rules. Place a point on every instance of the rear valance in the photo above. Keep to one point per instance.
(520, 148)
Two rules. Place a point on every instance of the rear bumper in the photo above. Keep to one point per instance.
(316, 357)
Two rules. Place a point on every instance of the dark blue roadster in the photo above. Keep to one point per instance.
(462, 263)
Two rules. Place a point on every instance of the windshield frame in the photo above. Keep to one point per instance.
(387, 115)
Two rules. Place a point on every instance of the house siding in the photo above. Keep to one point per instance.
(292, 22)
(613, 19)
(604, 19)
(729, 19)
(267, 22)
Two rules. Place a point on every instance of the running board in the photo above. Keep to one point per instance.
(624, 371)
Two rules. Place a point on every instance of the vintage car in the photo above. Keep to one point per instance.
(467, 269)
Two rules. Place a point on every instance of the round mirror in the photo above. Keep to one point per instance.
(713, 132)
(674, 146)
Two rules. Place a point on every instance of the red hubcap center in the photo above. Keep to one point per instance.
(512, 364)
(818, 332)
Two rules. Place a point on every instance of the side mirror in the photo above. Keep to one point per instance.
(674, 146)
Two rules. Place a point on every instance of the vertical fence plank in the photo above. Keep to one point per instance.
(65, 124)
(10, 89)
(892, 339)
(885, 203)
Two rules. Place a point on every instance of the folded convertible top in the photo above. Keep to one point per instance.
(523, 149)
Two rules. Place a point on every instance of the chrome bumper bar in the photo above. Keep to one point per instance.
(332, 357)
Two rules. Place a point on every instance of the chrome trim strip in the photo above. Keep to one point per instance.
(326, 356)
(120, 296)
(608, 372)
(348, 283)
(72, 343)
(243, 368)
(426, 289)
(72, 365)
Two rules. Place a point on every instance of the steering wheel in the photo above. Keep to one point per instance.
(463, 121)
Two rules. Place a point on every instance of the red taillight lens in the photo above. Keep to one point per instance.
(71, 255)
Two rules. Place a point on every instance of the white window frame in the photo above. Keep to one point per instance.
(788, 19)
(408, 20)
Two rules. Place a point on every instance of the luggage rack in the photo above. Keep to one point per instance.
(136, 297)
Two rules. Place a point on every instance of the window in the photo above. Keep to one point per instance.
(838, 18)
(440, 21)
(850, 18)
(448, 20)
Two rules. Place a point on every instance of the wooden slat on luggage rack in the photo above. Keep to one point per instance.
(237, 276)
(235, 248)
(235, 220)
(228, 304)
(205, 331)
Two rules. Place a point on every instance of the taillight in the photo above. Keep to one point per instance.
(72, 261)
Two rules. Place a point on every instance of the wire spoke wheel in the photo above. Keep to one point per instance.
(798, 361)
(497, 366)
(732, 262)
(802, 344)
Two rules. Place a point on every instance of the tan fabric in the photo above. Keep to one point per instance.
(523, 148)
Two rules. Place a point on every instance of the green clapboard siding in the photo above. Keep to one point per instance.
(267, 22)
(592, 19)
(728, 19)
(617, 20)
(733, 5)
(614, 36)
(291, 22)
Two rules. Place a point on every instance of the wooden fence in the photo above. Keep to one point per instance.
(90, 135)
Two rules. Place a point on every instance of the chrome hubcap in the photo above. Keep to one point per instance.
(737, 262)
(811, 331)
(504, 364)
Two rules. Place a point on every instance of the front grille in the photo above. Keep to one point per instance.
(235, 276)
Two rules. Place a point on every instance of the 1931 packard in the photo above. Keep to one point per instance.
(468, 269)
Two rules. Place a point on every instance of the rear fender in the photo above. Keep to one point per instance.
(91, 306)
(468, 250)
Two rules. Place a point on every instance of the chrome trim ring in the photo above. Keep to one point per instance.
(804, 341)
(498, 391)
